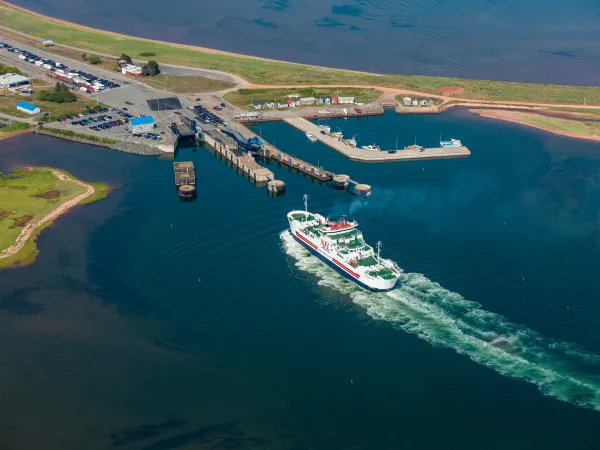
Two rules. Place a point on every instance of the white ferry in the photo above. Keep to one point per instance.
(451, 143)
(371, 147)
(311, 137)
(340, 245)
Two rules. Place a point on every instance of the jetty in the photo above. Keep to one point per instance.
(358, 154)
(228, 148)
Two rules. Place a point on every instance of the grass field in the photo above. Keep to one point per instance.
(8, 105)
(274, 72)
(26, 196)
(183, 85)
(14, 128)
(243, 97)
(558, 124)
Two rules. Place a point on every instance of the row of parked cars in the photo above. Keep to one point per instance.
(54, 66)
(151, 136)
(86, 122)
(82, 115)
(206, 116)
(109, 125)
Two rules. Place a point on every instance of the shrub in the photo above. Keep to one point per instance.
(147, 54)
(94, 59)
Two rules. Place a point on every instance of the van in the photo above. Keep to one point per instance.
(21, 56)
(47, 66)
(39, 63)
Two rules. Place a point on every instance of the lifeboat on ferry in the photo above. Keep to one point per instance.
(337, 226)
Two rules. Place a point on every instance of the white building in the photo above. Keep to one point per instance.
(345, 100)
(12, 80)
(28, 108)
(307, 101)
(141, 124)
(130, 69)
(407, 101)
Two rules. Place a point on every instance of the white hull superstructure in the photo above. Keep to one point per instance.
(340, 244)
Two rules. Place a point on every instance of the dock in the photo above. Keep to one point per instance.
(358, 154)
(185, 174)
(228, 148)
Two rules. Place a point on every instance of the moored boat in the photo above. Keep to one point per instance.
(311, 137)
(371, 147)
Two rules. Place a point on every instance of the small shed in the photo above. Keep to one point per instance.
(407, 101)
(345, 100)
(141, 124)
(415, 102)
(28, 108)
(334, 99)
(307, 101)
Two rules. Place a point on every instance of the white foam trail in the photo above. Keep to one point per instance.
(424, 308)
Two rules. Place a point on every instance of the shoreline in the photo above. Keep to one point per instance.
(31, 231)
(262, 72)
(510, 116)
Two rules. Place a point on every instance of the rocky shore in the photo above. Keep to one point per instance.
(125, 147)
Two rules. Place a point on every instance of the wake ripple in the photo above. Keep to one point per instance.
(422, 307)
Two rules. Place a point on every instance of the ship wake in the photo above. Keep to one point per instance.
(424, 308)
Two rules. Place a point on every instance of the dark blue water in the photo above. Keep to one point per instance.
(150, 323)
(545, 41)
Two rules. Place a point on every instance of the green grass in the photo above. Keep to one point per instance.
(15, 127)
(274, 72)
(564, 125)
(182, 85)
(595, 112)
(17, 197)
(8, 105)
(243, 97)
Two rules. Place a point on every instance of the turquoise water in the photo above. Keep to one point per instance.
(543, 41)
(150, 323)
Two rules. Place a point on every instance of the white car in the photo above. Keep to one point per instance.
(22, 56)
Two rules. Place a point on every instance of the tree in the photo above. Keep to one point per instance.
(126, 58)
(150, 69)
(94, 59)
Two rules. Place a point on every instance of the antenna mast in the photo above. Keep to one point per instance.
(306, 205)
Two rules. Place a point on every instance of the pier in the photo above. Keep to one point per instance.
(358, 154)
(228, 148)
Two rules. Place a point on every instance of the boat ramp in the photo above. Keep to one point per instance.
(359, 154)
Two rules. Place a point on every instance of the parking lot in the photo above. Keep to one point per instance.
(77, 78)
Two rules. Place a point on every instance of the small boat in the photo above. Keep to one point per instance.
(371, 147)
(311, 137)
(337, 135)
(325, 128)
(451, 143)
(351, 142)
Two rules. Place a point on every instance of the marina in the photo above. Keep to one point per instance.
(372, 154)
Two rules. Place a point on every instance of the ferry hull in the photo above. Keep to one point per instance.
(338, 269)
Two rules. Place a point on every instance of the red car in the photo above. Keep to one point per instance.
(357, 109)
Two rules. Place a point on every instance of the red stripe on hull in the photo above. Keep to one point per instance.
(339, 264)
(307, 241)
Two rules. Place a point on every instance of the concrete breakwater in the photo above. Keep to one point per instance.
(124, 147)
(358, 154)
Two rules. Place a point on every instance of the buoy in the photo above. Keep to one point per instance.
(351, 381)
(523, 279)
(568, 307)
(505, 223)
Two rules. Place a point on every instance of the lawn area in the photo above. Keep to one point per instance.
(183, 85)
(14, 128)
(275, 72)
(243, 97)
(8, 105)
(26, 196)
(569, 126)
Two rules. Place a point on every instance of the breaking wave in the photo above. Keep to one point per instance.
(424, 308)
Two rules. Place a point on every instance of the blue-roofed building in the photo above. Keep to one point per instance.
(28, 108)
(141, 124)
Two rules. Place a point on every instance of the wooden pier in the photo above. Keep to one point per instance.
(268, 151)
(358, 154)
(185, 174)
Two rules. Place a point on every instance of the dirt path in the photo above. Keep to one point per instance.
(28, 230)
